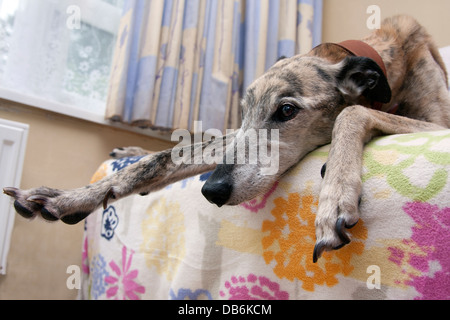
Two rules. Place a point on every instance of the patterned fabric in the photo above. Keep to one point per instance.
(174, 244)
(180, 61)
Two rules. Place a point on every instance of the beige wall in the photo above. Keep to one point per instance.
(62, 152)
(346, 19)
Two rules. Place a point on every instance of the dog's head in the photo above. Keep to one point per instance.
(288, 112)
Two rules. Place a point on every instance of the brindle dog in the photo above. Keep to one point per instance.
(324, 96)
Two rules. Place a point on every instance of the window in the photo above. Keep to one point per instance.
(57, 54)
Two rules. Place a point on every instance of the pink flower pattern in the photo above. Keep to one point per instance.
(124, 282)
(259, 202)
(253, 288)
(432, 235)
(432, 230)
(85, 257)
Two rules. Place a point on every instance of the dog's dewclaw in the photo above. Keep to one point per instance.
(47, 215)
(109, 195)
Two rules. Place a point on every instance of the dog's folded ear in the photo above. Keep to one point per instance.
(362, 76)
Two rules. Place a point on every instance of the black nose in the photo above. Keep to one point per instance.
(217, 191)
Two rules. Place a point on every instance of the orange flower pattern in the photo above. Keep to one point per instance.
(101, 172)
(288, 243)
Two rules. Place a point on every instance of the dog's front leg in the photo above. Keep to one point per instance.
(341, 185)
(151, 173)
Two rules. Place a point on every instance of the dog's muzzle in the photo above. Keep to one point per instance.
(217, 189)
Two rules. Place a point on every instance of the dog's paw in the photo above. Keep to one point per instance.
(338, 211)
(50, 204)
(124, 152)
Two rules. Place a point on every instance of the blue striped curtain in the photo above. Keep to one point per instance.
(180, 61)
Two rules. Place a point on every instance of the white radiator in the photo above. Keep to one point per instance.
(13, 141)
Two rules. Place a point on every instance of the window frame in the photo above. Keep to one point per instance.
(88, 16)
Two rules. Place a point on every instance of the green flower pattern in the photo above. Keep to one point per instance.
(410, 147)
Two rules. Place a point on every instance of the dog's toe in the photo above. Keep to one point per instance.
(47, 215)
(331, 227)
(23, 207)
(54, 204)
(23, 211)
(118, 153)
(74, 218)
(45, 207)
(38, 199)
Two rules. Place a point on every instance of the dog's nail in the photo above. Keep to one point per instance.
(10, 191)
(109, 195)
(37, 199)
(319, 248)
(340, 224)
(323, 170)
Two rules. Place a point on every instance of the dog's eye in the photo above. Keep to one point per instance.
(285, 112)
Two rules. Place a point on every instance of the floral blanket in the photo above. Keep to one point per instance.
(174, 244)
